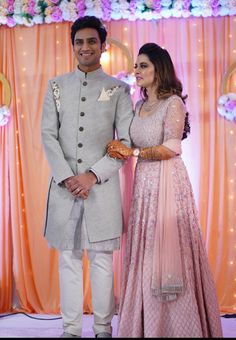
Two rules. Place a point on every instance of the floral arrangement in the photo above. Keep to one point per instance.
(227, 106)
(128, 78)
(4, 115)
(30, 12)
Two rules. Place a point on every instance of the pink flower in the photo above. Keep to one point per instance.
(186, 4)
(31, 3)
(56, 14)
(230, 105)
(214, 3)
(11, 22)
(11, 9)
(121, 75)
(31, 11)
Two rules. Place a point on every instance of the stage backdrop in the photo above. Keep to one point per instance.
(203, 49)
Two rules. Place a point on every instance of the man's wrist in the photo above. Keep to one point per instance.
(93, 176)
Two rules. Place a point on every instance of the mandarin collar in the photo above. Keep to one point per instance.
(90, 75)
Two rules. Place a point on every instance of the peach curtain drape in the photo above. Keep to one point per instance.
(202, 50)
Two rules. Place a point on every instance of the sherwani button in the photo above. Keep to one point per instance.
(85, 83)
(79, 160)
(83, 99)
(82, 114)
(80, 145)
(81, 128)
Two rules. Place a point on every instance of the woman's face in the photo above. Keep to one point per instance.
(144, 71)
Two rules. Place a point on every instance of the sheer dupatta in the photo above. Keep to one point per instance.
(167, 275)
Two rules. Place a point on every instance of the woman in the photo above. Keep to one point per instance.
(168, 289)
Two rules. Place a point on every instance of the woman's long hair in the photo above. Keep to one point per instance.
(167, 82)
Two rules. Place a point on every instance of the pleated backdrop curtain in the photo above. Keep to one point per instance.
(202, 50)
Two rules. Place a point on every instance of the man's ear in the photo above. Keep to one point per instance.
(103, 47)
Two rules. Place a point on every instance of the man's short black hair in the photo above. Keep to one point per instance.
(88, 22)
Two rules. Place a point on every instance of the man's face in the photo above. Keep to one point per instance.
(88, 49)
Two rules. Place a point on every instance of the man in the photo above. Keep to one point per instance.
(81, 112)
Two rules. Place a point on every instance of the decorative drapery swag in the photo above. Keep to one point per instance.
(31, 12)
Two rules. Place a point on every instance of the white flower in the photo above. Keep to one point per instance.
(196, 12)
(89, 3)
(63, 6)
(231, 95)
(178, 4)
(147, 15)
(227, 106)
(223, 2)
(38, 19)
(116, 15)
(66, 15)
(177, 13)
(186, 13)
(4, 115)
(115, 6)
(223, 11)
(206, 12)
(124, 5)
(37, 9)
(3, 20)
(166, 13)
(48, 19)
(223, 99)
(148, 3)
(140, 6)
(89, 11)
(166, 3)
(28, 22)
(125, 14)
(196, 3)
(18, 19)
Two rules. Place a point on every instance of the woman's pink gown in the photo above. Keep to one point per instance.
(195, 313)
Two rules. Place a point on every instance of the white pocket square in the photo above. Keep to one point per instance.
(106, 94)
(103, 96)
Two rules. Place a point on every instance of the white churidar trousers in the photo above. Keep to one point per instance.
(71, 289)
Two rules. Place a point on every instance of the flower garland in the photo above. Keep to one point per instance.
(31, 12)
(227, 106)
(4, 115)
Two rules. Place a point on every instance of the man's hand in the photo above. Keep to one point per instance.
(118, 150)
(80, 185)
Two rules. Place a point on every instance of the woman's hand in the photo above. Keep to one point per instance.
(118, 150)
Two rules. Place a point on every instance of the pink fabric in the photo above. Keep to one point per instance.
(167, 275)
(195, 312)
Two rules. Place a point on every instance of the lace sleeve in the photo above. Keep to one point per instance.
(174, 120)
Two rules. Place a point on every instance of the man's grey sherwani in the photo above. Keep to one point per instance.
(76, 128)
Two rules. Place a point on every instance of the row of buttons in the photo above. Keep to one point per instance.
(80, 145)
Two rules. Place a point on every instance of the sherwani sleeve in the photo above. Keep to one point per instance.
(50, 138)
(106, 167)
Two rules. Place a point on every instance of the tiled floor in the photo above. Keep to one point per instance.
(21, 326)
